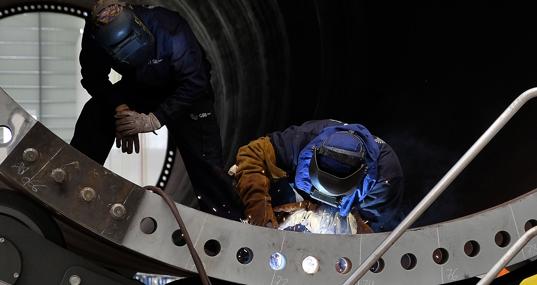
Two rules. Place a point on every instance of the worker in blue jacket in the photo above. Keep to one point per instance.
(341, 166)
(165, 81)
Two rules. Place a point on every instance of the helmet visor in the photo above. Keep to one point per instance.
(126, 39)
(330, 184)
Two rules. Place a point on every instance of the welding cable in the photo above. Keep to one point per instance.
(195, 257)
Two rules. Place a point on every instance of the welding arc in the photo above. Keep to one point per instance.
(195, 257)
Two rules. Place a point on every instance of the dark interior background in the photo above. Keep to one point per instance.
(429, 78)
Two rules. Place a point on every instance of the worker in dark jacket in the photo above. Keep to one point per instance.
(165, 82)
(341, 167)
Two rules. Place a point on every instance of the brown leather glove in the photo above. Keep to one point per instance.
(362, 226)
(255, 164)
(126, 143)
(130, 123)
(292, 207)
(258, 207)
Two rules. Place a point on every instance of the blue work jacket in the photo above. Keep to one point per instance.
(175, 78)
(378, 199)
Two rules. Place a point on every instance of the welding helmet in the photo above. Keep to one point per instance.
(337, 167)
(125, 38)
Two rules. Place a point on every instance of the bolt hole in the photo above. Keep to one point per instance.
(502, 239)
(440, 255)
(277, 261)
(530, 224)
(245, 255)
(471, 248)
(408, 261)
(344, 265)
(148, 225)
(378, 266)
(212, 247)
(5, 135)
(178, 238)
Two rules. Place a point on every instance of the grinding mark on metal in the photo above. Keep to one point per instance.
(44, 166)
(441, 265)
(281, 248)
(360, 254)
(189, 262)
(128, 195)
(516, 229)
(360, 251)
(273, 275)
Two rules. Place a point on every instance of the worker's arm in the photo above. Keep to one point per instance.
(191, 75)
(255, 162)
(382, 206)
(95, 67)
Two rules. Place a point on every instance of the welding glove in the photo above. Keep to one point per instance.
(362, 226)
(257, 201)
(126, 143)
(131, 122)
(255, 164)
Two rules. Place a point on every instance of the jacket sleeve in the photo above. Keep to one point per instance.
(95, 68)
(256, 163)
(382, 206)
(190, 73)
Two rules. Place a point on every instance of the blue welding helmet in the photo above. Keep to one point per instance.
(126, 39)
(337, 167)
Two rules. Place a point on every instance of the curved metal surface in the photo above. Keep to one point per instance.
(10, 263)
(246, 44)
(16, 119)
(250, 72)
(519, 244)
(437, 190)
(221, 239)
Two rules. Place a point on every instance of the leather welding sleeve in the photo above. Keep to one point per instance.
(95, 66)
(252, 181)
(191, 75)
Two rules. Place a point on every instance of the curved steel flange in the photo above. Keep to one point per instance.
(10, 262)
(470, 246)
(15, 118)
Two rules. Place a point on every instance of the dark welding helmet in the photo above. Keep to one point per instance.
(126, 38)
(337, 167)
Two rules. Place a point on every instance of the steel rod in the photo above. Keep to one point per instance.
(510, 254)
(442, 185)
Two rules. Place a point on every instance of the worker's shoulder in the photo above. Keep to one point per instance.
(166, 20)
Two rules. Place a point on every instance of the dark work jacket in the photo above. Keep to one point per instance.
(175, 78)
(382, 204)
